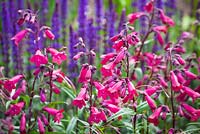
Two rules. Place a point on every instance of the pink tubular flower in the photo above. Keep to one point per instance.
(162, 110)
(79, 101)
(149, 6)
(15, 109)
(118, 45)
(116, 87)
(190, 112)
(191, 93)
(20, 90)
(40, 126)
(190, 74)
(39, 59)
(57, 57)
(120, 56)
(150, 102)
(165, 19)
(134, 16)
(23, 124)
(96, 116)
(106, 57)
(161, 29)
(133, 38)
(44, 119)
(131, 89)
(163, 82)
(150, 91)
(49, 34)
(85, 74)
(111, 107)
(10, 84)
(176, 86)
(154, 117)
(19, 36)
(54, 112)
(159, 38)
(56, 90)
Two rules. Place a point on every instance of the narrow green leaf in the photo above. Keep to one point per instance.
(143, 106)
(123, 111)
(71, 125)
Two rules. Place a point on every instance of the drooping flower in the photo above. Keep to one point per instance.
(40, 126)
(20, 36)
(111, 107)
(96, 116)
(42, 96)
(57, 57)
(15, 109)
(48, 34)
(134, 16)
(44, 119)
(79, 101)
(176, 86)
(191, 93)
(150, 102)
(10, 84)
(190, 74)
(23, 124)
(39, 59)
(149, 6)
(154, 117)
(165, 19)
(85, 74)
(57, 114)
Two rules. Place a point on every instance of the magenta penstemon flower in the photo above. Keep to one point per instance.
(20, 36)
(79, 101)
(57, 57)
(96, 116)
(57, 114)
(134, 16)
(49, 34)
(39, 59)
(176, 86)
(149, 6)
(10, 84)
(150, 102)
(165, 19)
(15, 109)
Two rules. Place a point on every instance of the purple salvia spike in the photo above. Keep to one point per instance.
(6, 38)
(111, 17)
(99, 14)
(122, 20)
(171, 6)
(142, 20)
(72, 68)
(63, 13)
(56, 26)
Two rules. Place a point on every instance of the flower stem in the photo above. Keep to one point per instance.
(90, 103)
(51, 92)
(30, 104)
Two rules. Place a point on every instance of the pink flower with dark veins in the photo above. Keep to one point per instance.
(191, 93)
(176, 86)
(39, 59)
(15, 109)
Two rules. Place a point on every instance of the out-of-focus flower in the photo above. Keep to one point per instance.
(23, 124)
(39, 59)
(15, 109)
(21, 89)
(42, 95)
(40, 126)
(85, 74)
(165, 19)
(176, 86)
(57, 114)
(191, 93)
(149, 6)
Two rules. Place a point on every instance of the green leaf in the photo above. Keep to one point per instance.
(123, 111)
(142, 107)
(83, 122)
(71, 125)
